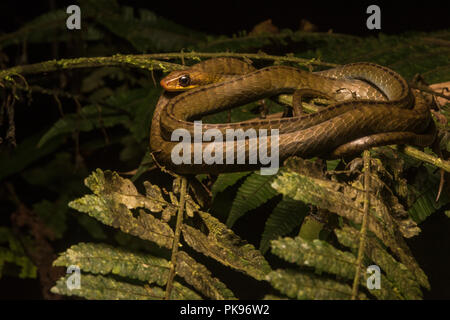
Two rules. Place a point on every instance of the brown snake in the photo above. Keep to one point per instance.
(386, 111)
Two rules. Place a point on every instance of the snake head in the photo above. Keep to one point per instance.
(185, 80)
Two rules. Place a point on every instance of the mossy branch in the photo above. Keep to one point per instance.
(143, 61)
(255, 56)
(136, 61)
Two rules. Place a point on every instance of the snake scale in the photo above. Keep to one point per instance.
(382, 110)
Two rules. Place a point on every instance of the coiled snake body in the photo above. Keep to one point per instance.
(386, 111)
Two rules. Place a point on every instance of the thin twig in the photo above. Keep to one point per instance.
(428, 90)
(420, 155)
(254, 56)
(176, 238)
(362, 234)
(59, 104)
(11, 132)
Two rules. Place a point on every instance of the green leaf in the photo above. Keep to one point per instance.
(309, 286)
(139, 104)
(397, 273)
(15, 254)
(299, 182)
(53, 214)
(315, 253)
(201, 279)
(254, 191)
(25, 154)
(226, 247)
(96, 287)
(325, 258)
(91, 117)
(92, 226)
(287, 215)
(425, 191)
(146, 163)
(225, 180)
(59, 173)
(408, 54)
(105, 259)
(111, 204)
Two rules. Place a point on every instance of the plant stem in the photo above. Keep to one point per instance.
(137, 61)
(143, 61)
(362, 234)
(256, 56)
(176, 239)
(420, 155)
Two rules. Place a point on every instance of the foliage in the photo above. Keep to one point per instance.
(302, 182)
(113, 202)
(14, 255)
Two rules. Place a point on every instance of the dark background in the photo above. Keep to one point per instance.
(230, 17)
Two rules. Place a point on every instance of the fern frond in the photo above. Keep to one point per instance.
(324, 258)
(104, 259)
(304, 286)
(99, 258)
(201, 279)
(226, 247)
(97, 287)
(316, 253)
(15, 254)
(254, 191)
(111, 204)
(225, 180)
(285, 217)
(395, 271)
(346, 201)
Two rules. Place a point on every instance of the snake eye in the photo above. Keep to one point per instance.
(184, 81)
